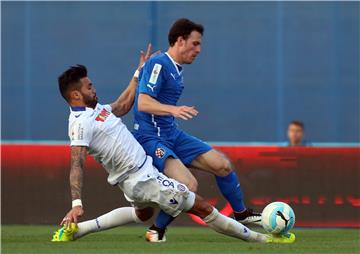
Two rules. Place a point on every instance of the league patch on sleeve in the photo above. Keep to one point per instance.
(77, 132)
(155, 73)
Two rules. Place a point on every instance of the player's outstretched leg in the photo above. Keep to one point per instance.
(115, 218)
(231, 227)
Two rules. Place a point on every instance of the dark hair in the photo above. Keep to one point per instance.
(298, 123)
(69, 79)
(183, 27)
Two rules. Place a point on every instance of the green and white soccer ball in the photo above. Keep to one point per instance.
(277, 218)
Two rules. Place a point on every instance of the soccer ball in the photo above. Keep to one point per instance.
(278, 218)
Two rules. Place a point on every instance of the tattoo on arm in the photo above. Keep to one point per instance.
(78, 156)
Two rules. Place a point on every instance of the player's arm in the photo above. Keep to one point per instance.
(151, 83)
(78, 157)
(125, 101)
(148, 104)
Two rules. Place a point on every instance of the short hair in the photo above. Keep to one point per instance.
(183, 27)
(298, 123)
(70, 78)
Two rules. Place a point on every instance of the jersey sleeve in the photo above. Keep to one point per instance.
(80, 133)
(152, 78)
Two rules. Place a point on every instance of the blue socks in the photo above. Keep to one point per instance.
(230, 187)
(163, 220)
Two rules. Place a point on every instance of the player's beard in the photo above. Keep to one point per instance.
(91, 101)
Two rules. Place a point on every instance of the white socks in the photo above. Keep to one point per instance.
(117, 217)
(125, 215)
(230, 227)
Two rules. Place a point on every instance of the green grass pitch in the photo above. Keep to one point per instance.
(36, 239)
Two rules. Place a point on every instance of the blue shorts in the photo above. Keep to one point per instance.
(177, 144)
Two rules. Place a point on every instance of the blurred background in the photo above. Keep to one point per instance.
(262, 64)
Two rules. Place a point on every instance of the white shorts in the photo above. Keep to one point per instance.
(150, 188)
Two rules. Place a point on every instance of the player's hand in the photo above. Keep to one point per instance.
(144, 56)
(72, 216)
(184, 112)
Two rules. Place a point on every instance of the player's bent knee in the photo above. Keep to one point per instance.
(223, 168)
(227, 167)
(145, 214)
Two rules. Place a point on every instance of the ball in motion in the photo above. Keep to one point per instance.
(278, 218)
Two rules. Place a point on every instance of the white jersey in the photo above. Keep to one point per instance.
(108, 140)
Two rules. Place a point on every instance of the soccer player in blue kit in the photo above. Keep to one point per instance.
(173, 150)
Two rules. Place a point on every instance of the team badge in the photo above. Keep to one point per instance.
(159, 152)
(181, 187)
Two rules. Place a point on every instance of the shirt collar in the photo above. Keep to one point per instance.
(178, 66)
(78, 108)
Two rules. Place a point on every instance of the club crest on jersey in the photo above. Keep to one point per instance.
(102, 116)
(159, 153)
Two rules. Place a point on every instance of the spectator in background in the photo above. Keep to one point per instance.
(296, 133)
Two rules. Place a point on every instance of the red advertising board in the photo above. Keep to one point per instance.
(320, 183)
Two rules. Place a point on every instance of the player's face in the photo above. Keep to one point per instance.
(191, 47)
(88, 93)
(295, 134)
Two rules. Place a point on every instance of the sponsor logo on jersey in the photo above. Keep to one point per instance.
(159, 152)
(151, 87)
(103, 115)
(155, 73)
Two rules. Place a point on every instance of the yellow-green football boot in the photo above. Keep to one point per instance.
(65, 234)
(285, 238)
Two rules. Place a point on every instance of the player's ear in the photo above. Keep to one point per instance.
(181, 41)
(75, 95)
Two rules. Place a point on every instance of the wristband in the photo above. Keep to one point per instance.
(136, 74)
(76, 202)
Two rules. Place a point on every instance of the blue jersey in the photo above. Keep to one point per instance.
(161, 78)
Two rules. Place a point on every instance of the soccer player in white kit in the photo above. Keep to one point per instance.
(97, 130)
